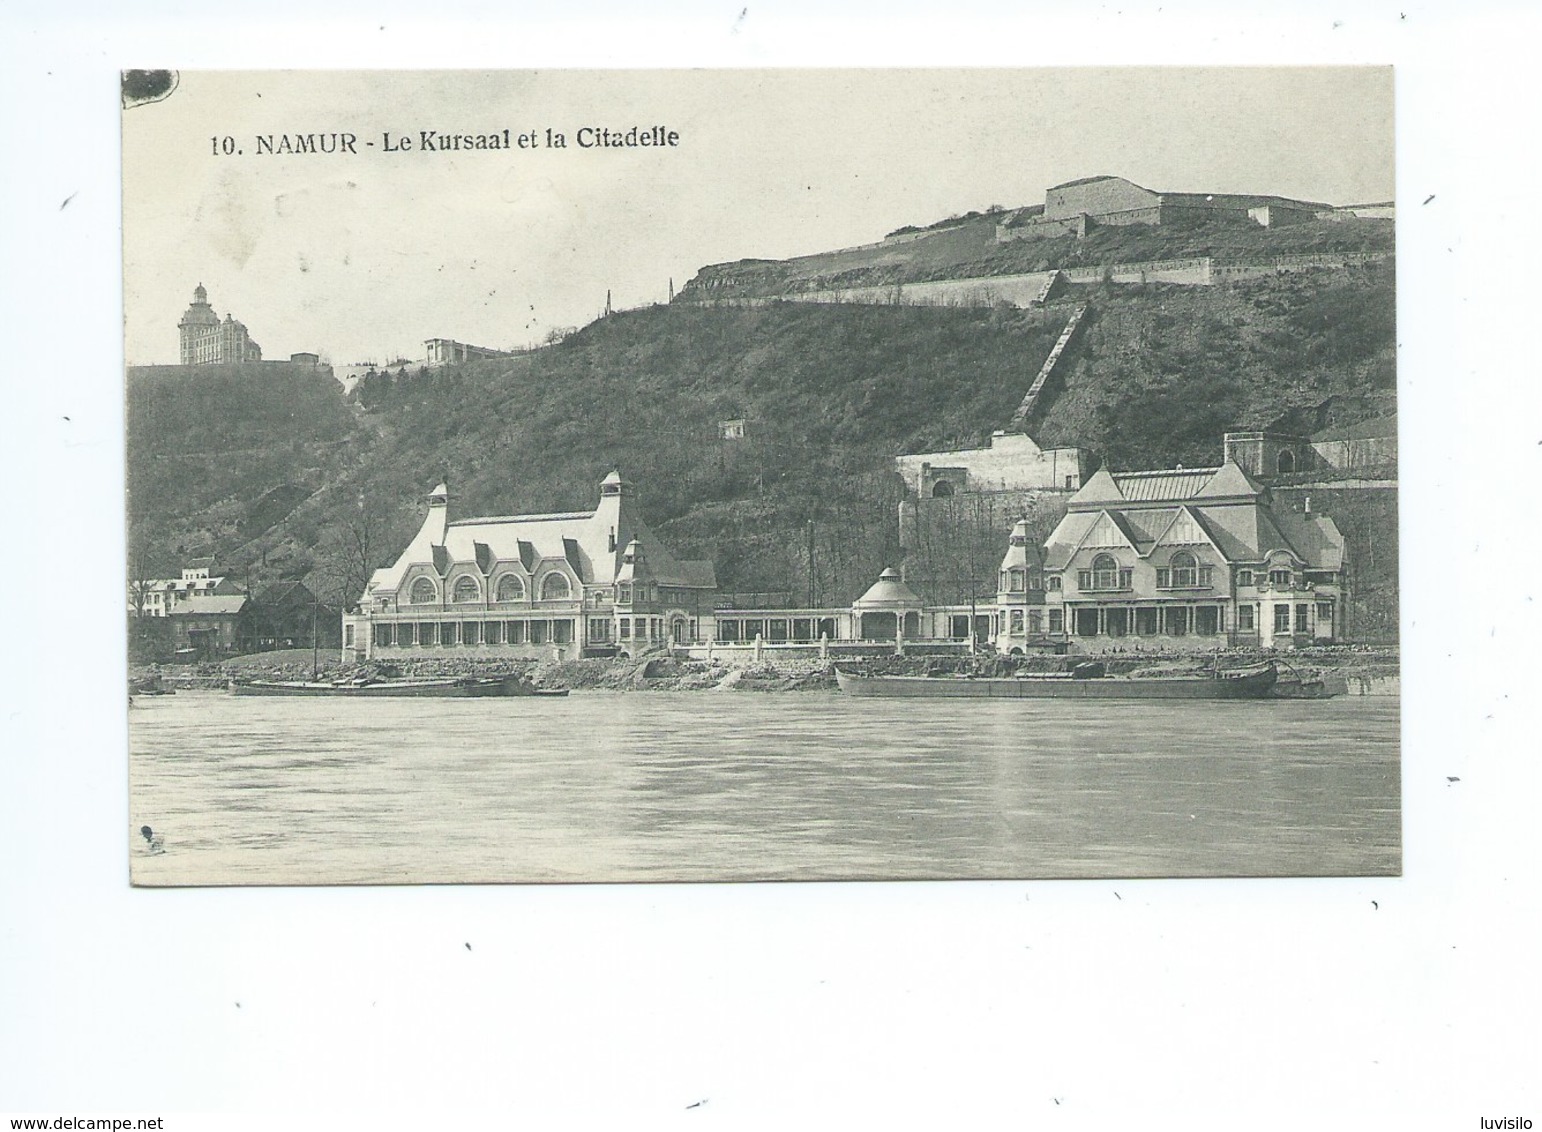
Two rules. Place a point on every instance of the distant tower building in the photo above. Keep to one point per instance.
(208, 341)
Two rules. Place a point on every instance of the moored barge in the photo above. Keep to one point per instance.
(1087, 681)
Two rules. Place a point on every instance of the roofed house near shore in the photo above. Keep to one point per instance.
(1195, 554)
(541, 586)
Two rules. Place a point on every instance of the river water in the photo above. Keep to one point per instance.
(696, 786)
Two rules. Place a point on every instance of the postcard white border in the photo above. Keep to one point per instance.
(1411, 1001)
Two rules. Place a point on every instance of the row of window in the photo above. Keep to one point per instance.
(554, 587)
(1017, 580)
(1279, 579)
(1105, 577)
(775, 629)
(438, 634)
(1303, 617)
(1174, 621)
(1151, 621)
(424, 591)
(1182, 572)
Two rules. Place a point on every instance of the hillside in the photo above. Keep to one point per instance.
(830, 394)
(217, 455)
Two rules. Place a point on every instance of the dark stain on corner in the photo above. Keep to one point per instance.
(140, 87)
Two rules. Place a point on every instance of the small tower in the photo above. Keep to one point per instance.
(198, 326)
(611, 514)
(1019, 592)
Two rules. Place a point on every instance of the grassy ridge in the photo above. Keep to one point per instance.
(289, 474)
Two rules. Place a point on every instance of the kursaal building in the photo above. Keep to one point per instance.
(1184, 559)
(532, 585)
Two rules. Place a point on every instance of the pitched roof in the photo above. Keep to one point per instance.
(1272, 536)
(284, 593)
(1233, 530)
(1179, 483)
(1315, 538)
(209, 604)
(1094, 180)
(1229, 480)
(1099, 488)
(1067, 537)
(698, 572)
(591, 543)
(1228, 506)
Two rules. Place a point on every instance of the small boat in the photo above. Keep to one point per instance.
(1086, 681)
(1294, 687)
(440, 686)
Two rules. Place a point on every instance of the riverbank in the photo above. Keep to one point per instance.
(1364, 670)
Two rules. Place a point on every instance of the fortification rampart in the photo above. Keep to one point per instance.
(1284, 264)
(1024, 290)
(1196, 271)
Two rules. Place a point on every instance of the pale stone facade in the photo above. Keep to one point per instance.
(206, 340)
(536, 586)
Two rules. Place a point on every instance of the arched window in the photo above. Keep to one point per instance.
(1185, 569)
(555, 588)
(942, 489)
(424, 592)
(1286, 461)
(510, 588)
(1105, 572)
(466, 589)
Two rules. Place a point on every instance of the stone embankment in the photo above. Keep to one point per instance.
(1364, 670)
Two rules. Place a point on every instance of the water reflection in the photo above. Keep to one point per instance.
(701, 786)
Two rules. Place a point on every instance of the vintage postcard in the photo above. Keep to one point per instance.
(574, 476)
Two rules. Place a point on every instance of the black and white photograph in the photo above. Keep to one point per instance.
(800, 475)
(769, 566)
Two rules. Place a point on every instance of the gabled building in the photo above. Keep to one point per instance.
(287, 615)
(543, 586)
(207, 626)
(157, 597)
(1191, 558)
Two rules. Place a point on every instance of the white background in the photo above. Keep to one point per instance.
(1408, 1003)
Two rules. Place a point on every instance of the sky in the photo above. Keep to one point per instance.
(361, 256)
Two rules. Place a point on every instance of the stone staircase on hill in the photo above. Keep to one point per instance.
(1025, 410)
(1054, 280)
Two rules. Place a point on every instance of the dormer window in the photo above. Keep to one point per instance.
(555, 588)
(424, 592)
(466, 589)
(510, 588)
